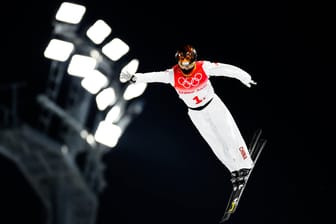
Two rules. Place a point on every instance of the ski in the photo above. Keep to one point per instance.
(255, 149)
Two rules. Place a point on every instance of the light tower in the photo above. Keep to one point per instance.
(84, 110)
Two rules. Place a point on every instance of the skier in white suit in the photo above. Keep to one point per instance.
(190, 78)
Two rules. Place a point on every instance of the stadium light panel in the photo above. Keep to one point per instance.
(108, 133)
(98, 31)
(134, 90)
(105, 98)
(81, 65)
(58, 50)
(70, 13)
(90, 140)
(94, 81)
(114, 114)
(115, 49)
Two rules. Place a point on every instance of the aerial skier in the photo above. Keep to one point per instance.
(190, 78)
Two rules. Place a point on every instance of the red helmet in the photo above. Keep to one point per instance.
(186, 57)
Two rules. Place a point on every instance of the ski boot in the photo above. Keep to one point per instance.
(239, 178)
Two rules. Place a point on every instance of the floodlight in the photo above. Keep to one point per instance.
(134, 90)
(90, 140)
(70, 13)
(131, 67)
(114, 114)
(84, 133)
(94, 81)
(58, 50)
(115, 49)
(81, 65)
(105, 98)
(108, 133)
(98, 31)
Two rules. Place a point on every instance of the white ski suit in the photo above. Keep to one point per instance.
(206, 110)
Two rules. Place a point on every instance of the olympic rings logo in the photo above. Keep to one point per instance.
(189, 82)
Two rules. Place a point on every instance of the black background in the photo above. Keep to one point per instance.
(162, 171)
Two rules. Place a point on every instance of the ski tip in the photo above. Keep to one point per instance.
(224, 218)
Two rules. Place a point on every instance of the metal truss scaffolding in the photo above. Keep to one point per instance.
(61, 185)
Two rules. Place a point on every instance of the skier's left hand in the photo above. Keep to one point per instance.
(249, 82)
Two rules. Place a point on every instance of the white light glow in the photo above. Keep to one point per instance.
(134, 90)
(70, 13)
(105, 98)
(84, 133)
(58, 50)
(81, 65)
(108, 134)
(94, 81)
(90, 139)
(114, 114)
(98, 31)
(115, 49)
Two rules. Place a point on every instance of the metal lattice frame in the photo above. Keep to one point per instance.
(63, 189)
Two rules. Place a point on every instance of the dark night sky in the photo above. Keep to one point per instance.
(162, 171)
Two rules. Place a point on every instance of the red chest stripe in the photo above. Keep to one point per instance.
(195, 80)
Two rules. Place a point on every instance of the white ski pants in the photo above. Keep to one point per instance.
(217, 126)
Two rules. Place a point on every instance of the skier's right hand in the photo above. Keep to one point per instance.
(126, 76)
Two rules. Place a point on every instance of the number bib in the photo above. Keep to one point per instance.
(195, 89)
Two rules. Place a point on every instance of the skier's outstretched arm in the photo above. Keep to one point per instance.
(221, 69)
(149, 77)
